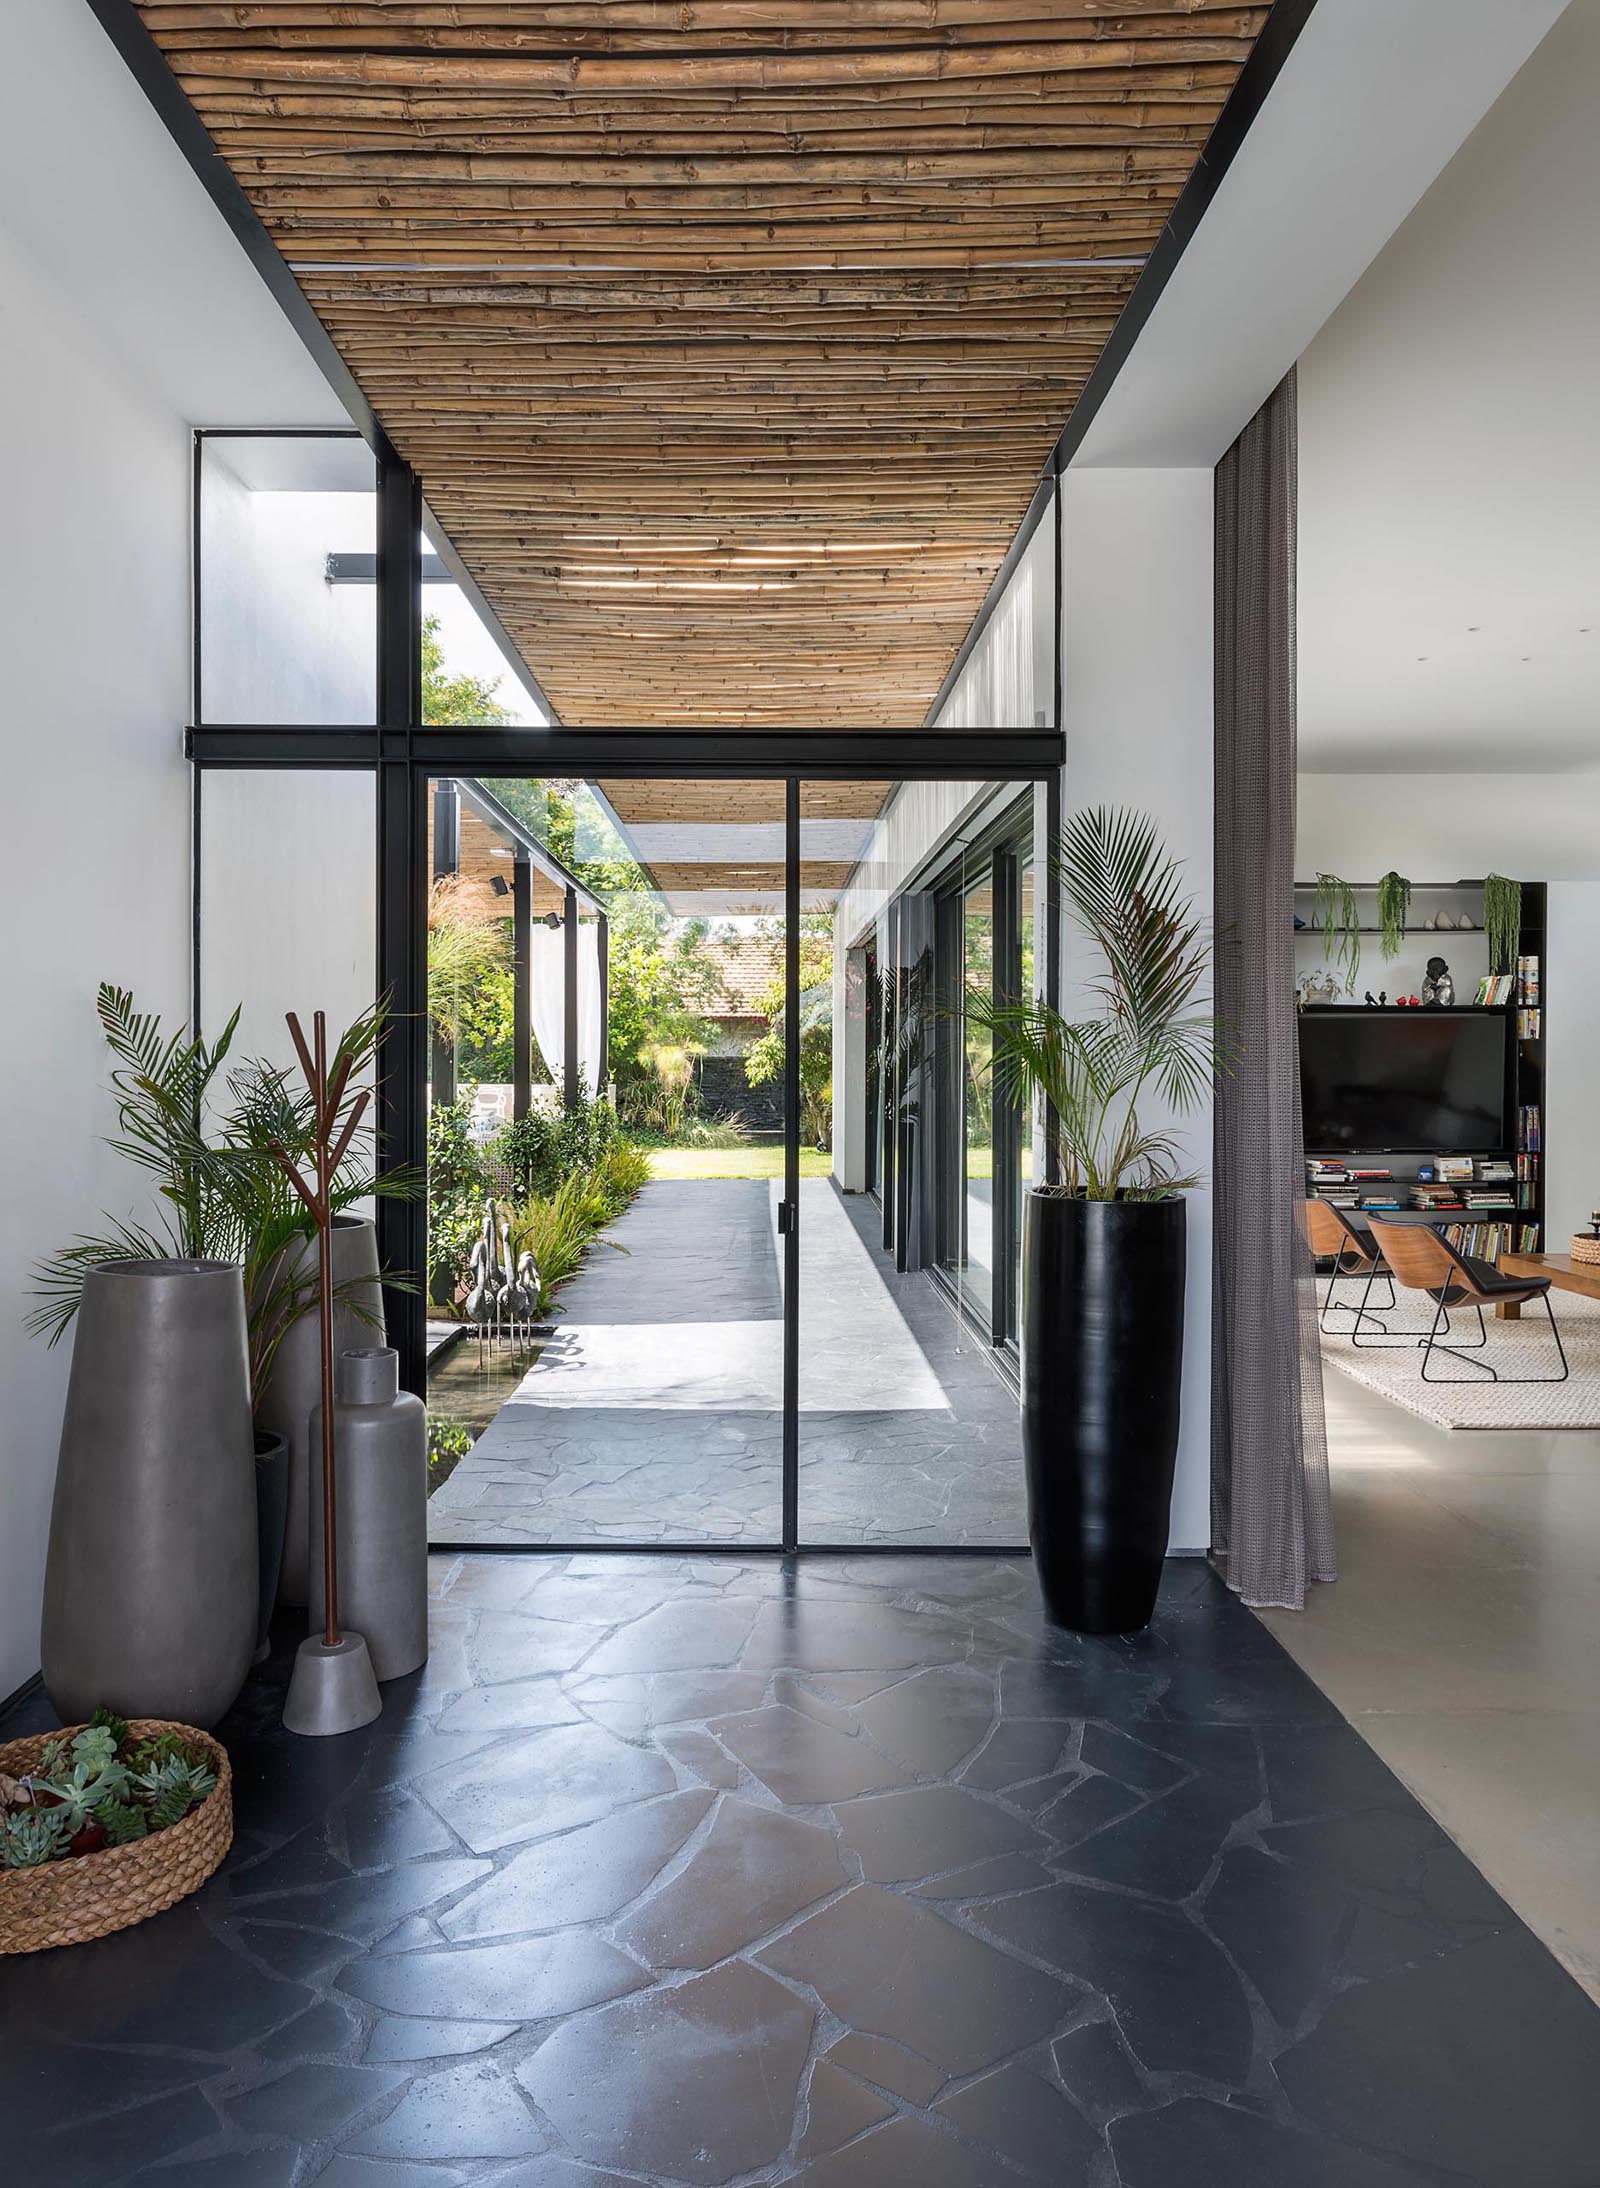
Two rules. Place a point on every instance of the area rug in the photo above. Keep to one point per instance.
(1514, 1348)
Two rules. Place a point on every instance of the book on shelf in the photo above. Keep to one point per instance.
(1528, 1128)
(1372, 1177)
(1528, 1024)
(1528, 980)
(1488, 1241)
(1495, 1170)
(1455, 1169)
(1494, 989)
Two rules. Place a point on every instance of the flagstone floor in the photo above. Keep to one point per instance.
(846, 1872)
(654, 1414)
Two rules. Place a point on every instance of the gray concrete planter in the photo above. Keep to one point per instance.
(295, 1384)
(381, 1477)
(151, 1583)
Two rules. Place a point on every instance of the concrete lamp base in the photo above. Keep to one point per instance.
(331, 1690)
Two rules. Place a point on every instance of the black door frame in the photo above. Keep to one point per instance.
(403, 754)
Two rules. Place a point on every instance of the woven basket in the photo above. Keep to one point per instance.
(68, 1902)
(1586, 1249)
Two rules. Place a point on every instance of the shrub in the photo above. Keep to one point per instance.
(539, 1151)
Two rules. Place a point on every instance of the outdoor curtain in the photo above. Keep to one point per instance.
(1271, 1513)
(548, 972)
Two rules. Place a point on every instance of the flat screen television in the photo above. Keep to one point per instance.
(1403, 1081)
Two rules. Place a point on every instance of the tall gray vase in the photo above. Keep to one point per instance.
(151, 1583)
(381, 1481)
(295, 1384)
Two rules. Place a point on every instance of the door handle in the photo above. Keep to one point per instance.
(787, 1213)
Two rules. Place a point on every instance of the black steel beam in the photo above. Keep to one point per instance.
(791, 1166)
(402, 973)
(521, 983)
(993, 755)
(446, 861)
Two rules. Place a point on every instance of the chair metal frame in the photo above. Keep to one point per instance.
(1468, 1293)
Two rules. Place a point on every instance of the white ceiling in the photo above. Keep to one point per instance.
(1450, 458)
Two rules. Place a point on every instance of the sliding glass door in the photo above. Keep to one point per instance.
(607, 1161)
(723, 1206)
(908, 1425)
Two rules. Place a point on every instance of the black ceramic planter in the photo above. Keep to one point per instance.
(1102, 1371)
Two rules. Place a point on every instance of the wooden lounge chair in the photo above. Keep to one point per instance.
(1425, 1262)
(1356, 1259)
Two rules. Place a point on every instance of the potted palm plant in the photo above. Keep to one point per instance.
(1103, 1246)
(205, 1137)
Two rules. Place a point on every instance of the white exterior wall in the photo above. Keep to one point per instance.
(1008, 680)
(93, 556)
(1137, 650)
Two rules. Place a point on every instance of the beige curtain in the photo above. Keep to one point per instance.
(1271, 1515)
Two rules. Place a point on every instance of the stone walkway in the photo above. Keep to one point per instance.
(655, 1413)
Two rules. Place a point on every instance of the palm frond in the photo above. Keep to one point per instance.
(1151, 1029)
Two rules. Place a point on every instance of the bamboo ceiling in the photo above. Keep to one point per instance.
(728, 337)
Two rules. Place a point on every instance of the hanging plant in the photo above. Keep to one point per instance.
(1502, 921)
(1341, 926)
(1394, 903)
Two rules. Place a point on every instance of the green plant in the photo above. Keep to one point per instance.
(1394, 905)
(448, 1444)
(1340, 921)
(1151, 1032)
(1502, 921)
(220, 1188)
(100, 1788)
(30, 1838)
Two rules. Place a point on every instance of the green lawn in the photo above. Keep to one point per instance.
(733, 1162)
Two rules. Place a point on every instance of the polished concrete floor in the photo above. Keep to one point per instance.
(1463, 1640)
(654, 1414)
(852, 1874)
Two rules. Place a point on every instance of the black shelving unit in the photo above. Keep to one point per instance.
(1525, 1070)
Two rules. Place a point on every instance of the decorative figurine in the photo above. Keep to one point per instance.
(1438, 989)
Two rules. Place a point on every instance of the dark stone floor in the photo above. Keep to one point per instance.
(856, 1874)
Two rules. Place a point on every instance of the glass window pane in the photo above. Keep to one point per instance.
(643, 1400)
(288, 901)
(909, 1427)
(468, 678)
(288, 606)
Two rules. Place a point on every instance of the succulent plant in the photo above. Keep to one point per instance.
(30, 1838)
(78, 1792)
(97, 1788)
(122, 1821)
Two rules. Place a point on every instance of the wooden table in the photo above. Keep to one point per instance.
(1565, 1274)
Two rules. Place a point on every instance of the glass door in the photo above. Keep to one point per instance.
(607, 1149)
(907, 1428)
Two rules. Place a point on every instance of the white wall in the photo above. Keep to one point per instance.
(1137, 698)
(93, 597)
(1008, 679)
(1538, 828)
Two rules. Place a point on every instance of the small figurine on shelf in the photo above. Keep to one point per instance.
(1371, 1000)
(1383, 998)
(1438, 989)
